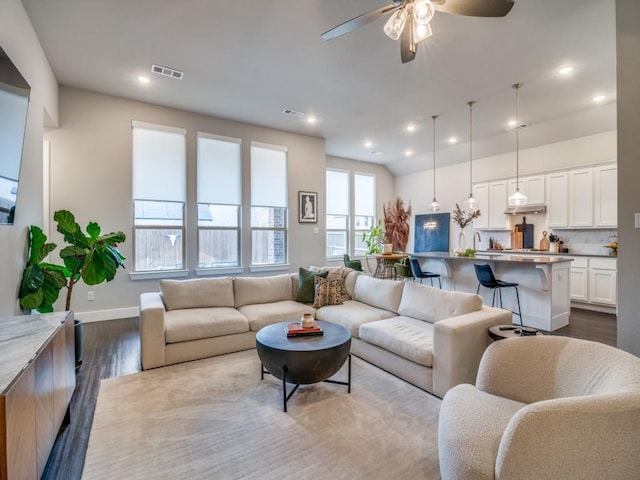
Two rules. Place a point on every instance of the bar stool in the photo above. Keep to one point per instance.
(419, 274)
(488, 280)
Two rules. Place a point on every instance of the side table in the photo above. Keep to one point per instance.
(500, 332)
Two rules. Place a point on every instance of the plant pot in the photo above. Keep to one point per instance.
(77, 325)
(387, 248)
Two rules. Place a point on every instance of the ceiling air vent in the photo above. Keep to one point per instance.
(293, 113)
(167, 72)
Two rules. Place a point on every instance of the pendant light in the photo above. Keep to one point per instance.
(435, 206)
(518, 198)
(470, 204)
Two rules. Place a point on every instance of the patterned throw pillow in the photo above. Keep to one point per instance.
(327, 292)
(336, 273)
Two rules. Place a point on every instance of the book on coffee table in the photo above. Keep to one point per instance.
(294, 329)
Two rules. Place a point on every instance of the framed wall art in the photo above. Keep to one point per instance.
(308, 207)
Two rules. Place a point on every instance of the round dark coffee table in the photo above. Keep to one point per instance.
(303, 360)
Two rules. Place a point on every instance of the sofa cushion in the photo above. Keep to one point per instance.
(197, 293)
(252, 290)
(432, 304)
(196, 323)
(306, 284)
(378, 293)
(264, 314)
(351, 314)
(327, 292)
(406, 337)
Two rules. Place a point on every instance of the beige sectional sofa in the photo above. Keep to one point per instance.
(432, 338)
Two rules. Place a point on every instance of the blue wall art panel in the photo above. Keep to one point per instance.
(432, 233)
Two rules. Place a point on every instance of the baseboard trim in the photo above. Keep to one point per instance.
(112, 314)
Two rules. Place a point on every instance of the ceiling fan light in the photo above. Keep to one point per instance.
(518, 199)
(394, 26)
(421, 32)
(423, 11)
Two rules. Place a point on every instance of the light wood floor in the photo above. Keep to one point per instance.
(112, 348)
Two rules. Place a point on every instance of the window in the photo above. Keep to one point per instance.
(268, 204)
(364, 209)
(337, 213)
(219, 201)
(159, 185)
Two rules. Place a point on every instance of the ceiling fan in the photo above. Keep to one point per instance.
(409, 20)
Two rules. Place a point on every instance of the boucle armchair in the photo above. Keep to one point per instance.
(544, 407)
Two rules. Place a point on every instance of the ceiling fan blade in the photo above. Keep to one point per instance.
(359, 21)
(474, 8)
(408, 49)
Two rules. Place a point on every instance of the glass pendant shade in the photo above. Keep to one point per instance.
(470, 204)
(434, 206)
(423, 11)
(421, 32)
(517, 199)
(394, 26)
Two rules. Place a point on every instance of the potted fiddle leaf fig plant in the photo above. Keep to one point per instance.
(91, 257)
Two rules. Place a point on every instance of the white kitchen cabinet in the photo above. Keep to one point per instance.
(481, 194)
(497, 205)
(580, 279)
(594, 281)
(557, 193)
(532, 186)
(581, 198)
(603, 284)
(605, 184)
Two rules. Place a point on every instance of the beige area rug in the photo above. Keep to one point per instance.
(215, 419)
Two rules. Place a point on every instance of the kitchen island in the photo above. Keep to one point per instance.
(544, 286)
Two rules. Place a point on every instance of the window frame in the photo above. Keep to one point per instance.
(347, 216)
(221, 269)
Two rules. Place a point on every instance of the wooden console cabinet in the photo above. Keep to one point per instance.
(37, 379)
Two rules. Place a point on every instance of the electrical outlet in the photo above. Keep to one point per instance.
(91, 296)
(316, 230)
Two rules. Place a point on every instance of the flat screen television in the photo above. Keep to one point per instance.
(14, 103)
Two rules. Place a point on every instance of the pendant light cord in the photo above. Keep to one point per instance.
(434, 156)
(518, 137)
(470, 148)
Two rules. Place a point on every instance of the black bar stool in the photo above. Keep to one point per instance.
(419, 274)
(488, 280)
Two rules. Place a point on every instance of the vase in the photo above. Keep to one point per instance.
(461, 242)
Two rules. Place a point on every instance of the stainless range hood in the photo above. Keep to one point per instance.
(531, 209)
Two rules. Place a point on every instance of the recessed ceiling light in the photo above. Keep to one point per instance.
(311, 119)
(368, 144)
(453, 140)
(408, 153)
(411, 127)
(565, 70)
(143, 79)
(512, 123)
(599, 98)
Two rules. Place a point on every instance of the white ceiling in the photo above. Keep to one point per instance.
(248, 60)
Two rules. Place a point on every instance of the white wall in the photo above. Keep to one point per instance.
(20, 42)
(91, 176)
(452, 181)
(628, 46)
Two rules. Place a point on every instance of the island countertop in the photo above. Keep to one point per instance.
(496, 257)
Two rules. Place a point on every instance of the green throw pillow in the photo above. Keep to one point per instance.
(306, 288)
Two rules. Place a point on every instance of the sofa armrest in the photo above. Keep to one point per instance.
(458, 345)
(590, 436)
(152, 326)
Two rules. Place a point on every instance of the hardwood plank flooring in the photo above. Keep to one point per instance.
(112, 348)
